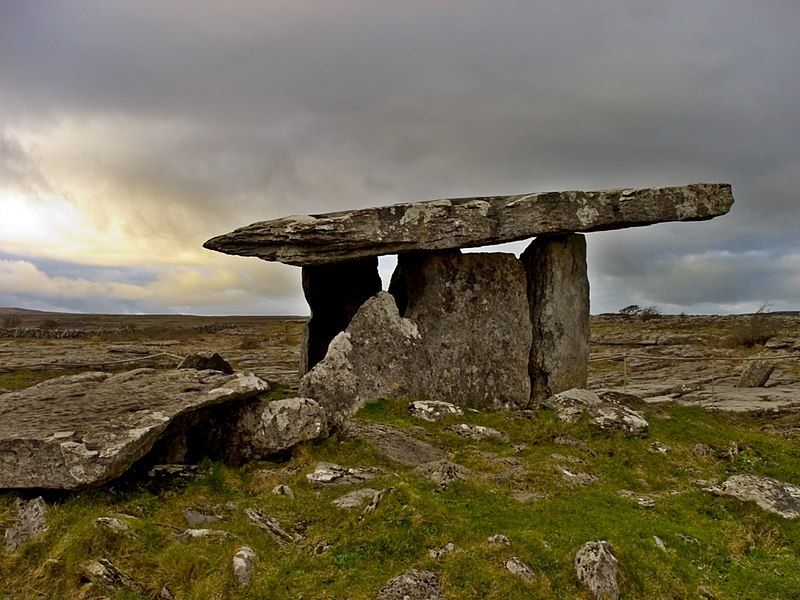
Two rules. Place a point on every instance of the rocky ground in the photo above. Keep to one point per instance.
(684, 499)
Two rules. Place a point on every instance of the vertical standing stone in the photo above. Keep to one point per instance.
(334, 292)
(558, 293)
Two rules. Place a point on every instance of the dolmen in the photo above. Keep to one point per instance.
(481, 330)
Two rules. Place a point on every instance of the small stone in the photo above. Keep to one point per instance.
(204, 534)
(702, 450)
(478, 432)
(756, 374)
(516, 566)
(596, 568)
(195, 518)
(206, 361)
(112, 523)
(563, 440)
(332, 474)
(619, 417)
(244, 563)
(770, 494)
(659, 543)
(499, 539)
(659, 448)
(433, 410)
(103, 572)
(439, 552)
(283, 490)
(412, 585)
(322, 547)
(442, 472)
(354, 499)
(272, 527)
(31, 521)
(165, 594)
(576, 478)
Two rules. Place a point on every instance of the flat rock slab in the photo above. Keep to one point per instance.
(770, 494)
(467, 222)
(82, 430)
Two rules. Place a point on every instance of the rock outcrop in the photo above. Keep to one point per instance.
(571, 405)
(413, 585)
(81, 430)
(770, 494)
(558, 293)
(467, 222)
(29, 522)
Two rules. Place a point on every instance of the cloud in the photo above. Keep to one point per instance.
(134, 132)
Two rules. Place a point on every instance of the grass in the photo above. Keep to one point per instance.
(732, 549)
(22, 378)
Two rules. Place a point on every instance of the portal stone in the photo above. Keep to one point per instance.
(473, 318)
(558, 293)
(334, 292)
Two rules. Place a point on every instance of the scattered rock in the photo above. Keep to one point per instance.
(477, 432)
(30, 521)
(756, 374)
(562, 440)
(129, 349)
(439, 552)
(433, 410)
(569, 405)
(272, 527)
(195, 518)
(781, 343)
(173, 472)
(770, 494)
(576, 478)
(611, 417)
(659, 448)
(572, 404)
(332, 474)
(516, 566)
(244, 563)
(112, 523)
(204, 534)
(355, 499)
(103, 572)
(659, 543)
(499, 538)
(322, 547)
(412, 585)
(596, 568)
(202, 361)
(283, 490)
(113, 421)
(442, 472)
(702, 450)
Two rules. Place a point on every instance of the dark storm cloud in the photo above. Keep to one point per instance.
(211, 115)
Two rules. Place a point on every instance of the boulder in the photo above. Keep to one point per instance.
(206, 360)
(412, 585)
(30, 521)
(467, 222)
(597, 568)
(474, 322)
(262, 428)
(756, 374)
(334, 292)
(368, 361)
(571, 405)
(558, 293)
(102, 424)
(770, 494)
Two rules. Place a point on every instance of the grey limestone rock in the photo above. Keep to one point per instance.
(558, 293)
(412, 585)
(245, 560)
(518, 567)
(332, 474)
(196, 518)
(355, 499)
(394, 443)
(30, 521)
(597, 568)
(102, 424)
(269, 427)
(478, 432)
(770, 494)
(206, 360)
(103, 572)
(433, 410)
(607, 415)
(334, 292)
(756, 374)
(467, 222)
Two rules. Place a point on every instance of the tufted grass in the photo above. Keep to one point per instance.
(720, 545)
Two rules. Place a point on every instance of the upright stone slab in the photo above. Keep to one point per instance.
(472, 314)
(334, 292)
(558, 292)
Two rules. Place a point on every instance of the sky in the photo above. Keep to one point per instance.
(131, 132)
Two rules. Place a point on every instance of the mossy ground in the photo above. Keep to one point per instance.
(713, 545)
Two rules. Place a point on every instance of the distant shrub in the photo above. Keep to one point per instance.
(760, 327)
(249, 342)
(12, 321)
(645, 313)
(49, 323)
